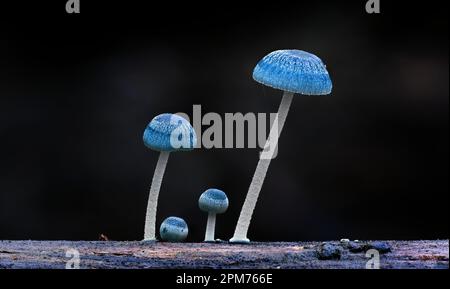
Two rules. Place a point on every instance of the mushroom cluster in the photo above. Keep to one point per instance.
(293, 72)
(165, 133)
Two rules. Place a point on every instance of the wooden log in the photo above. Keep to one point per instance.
(260, 255)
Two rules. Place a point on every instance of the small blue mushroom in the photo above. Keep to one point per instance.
(292, 71)
(173, 229)
(212, 201)
(165, 133)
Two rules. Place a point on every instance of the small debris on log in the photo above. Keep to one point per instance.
(103, 237)
(355, 247)
(328, 251)
(382, 247)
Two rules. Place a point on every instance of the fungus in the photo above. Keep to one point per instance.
(292, 71)
(165, 133)
(212, 201)
(173, 229)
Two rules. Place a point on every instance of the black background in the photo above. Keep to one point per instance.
(370, 161)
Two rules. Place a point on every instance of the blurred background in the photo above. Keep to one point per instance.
(369, 161)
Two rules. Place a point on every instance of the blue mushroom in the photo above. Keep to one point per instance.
(165, 133)
(292, 71)
(212, 201)
(173, 229)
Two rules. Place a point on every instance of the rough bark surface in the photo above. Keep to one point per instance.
(112, 254)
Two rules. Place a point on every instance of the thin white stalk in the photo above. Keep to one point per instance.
(210, 228)
(240, 233)
(150, 217)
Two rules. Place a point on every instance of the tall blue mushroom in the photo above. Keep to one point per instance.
(292, 71)
(165, 133)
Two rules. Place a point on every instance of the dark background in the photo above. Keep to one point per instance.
(370, 161)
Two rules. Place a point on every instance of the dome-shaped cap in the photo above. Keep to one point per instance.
(170, 132)
(173, 229)
(296, 71)
(213, 201)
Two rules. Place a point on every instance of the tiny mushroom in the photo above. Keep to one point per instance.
(165, 133)
(173, 229)
(292, 71)
(212, 201)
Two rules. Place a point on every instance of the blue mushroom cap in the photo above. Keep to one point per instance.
(213, 201)
(295, 71)
(170, 132)
(173, 229)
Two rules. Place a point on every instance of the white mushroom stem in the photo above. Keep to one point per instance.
(240, 233)
(150, 217)
(210, 227)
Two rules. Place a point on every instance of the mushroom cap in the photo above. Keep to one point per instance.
(295, 71)
(169, 132)
(173, 229)
(213, 201)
